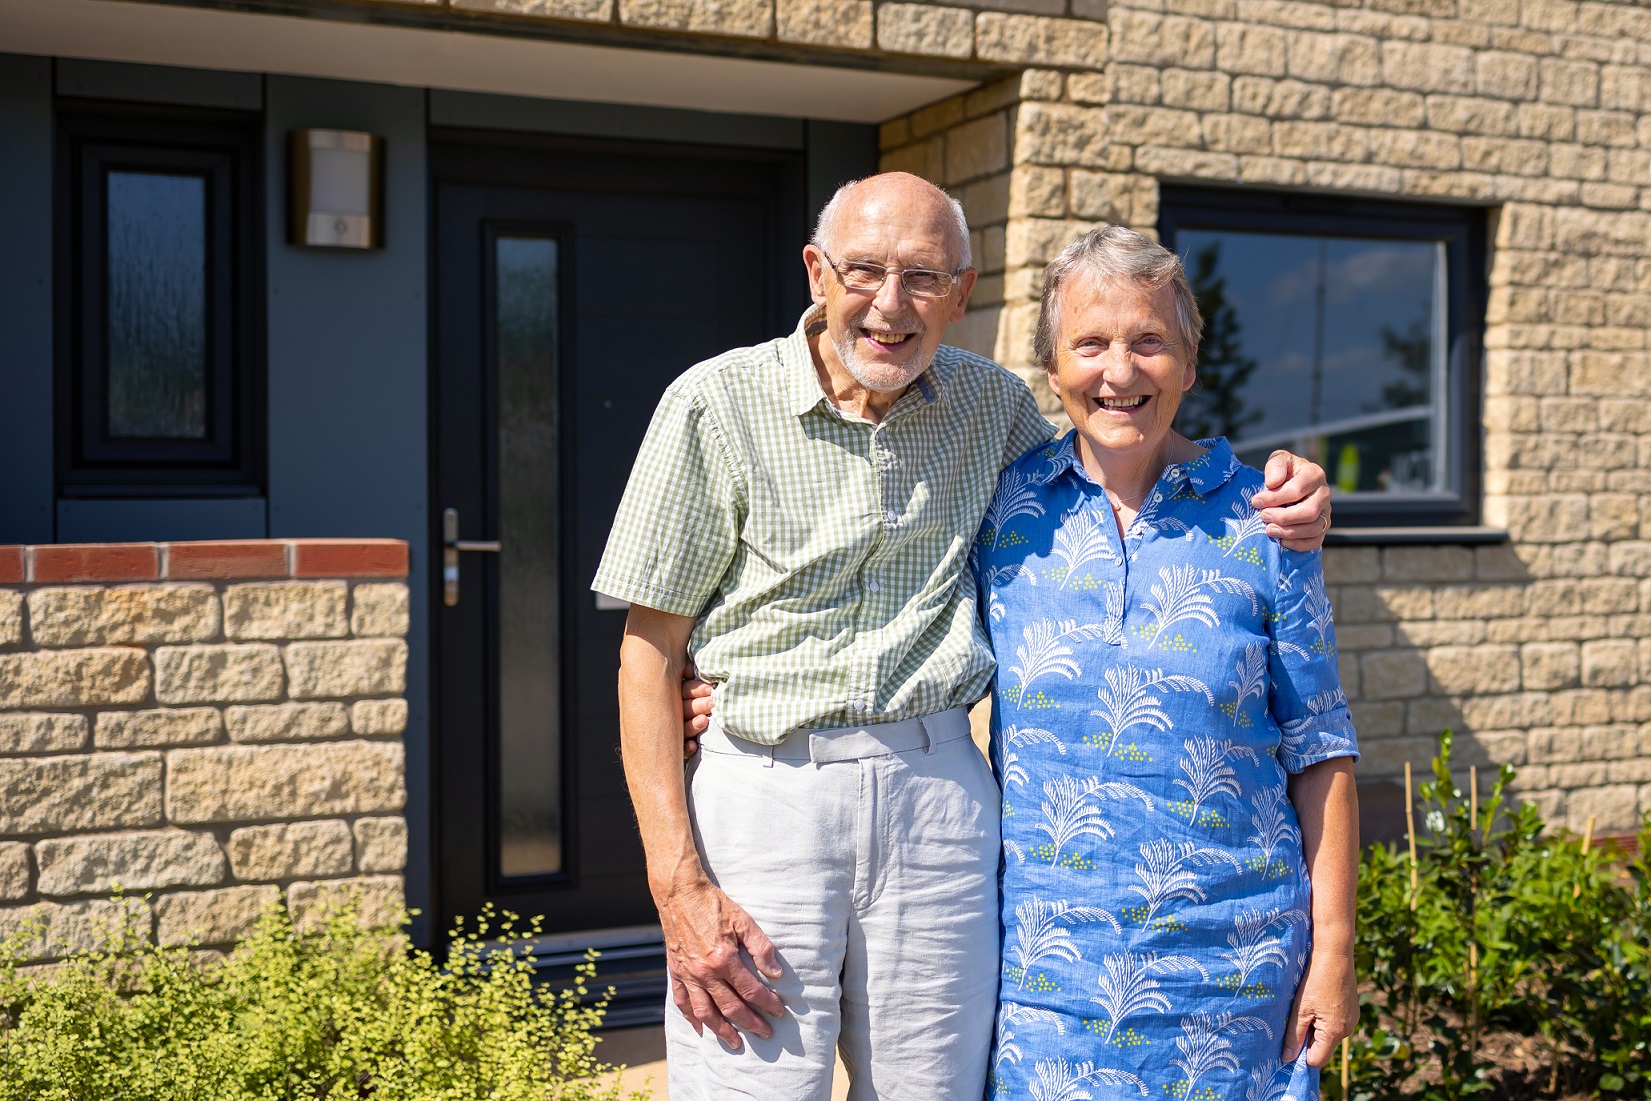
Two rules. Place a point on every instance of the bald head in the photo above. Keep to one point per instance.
(896, 197)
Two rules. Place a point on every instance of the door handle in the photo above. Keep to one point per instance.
(451, 545)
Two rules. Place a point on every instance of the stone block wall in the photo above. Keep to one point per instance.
(1537, 652)
(202, 726)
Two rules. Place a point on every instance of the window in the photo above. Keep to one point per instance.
(1346, 331)
(159, 388)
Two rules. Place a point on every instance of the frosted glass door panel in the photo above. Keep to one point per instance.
(527, 339)
(157, 309)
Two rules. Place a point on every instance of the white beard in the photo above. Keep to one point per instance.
(881, 378)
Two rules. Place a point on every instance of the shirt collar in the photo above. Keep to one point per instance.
(802, 384)
(1207, 473)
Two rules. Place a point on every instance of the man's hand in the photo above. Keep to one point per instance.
(704, 932)
(1327, 1005)
(696, 709)
(1295, 506)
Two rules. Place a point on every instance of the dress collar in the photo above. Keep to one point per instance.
(1208, 472)
(802, 385)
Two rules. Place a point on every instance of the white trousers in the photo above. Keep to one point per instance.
(875, 874)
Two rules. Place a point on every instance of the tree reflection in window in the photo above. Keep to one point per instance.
(1323, 345)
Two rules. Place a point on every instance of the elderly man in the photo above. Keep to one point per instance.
(799, 520)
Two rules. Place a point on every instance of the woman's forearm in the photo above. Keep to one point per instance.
(1327, 806)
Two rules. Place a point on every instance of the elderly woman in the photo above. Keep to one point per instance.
(1174, 746)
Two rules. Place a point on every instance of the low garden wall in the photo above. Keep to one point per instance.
(200, 726)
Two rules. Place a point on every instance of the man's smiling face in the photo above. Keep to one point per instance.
(886, 338)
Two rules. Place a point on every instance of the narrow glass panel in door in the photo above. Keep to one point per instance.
(156, 279)
(527, 340)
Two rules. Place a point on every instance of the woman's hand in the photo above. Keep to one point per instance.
(1327, 1007)
(696, 709)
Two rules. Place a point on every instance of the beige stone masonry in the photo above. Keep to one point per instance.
(377, 899)
(54, 928)
(153, 740)
(96, 616)
(381, 844)
(219, 671)
(152, 859)
(289, 722)
(379, 611)
(42, 732)
(293, 850)
(40, 795)
(11, 618)
(378, 716)
(211, 917)
(73, 678)
(287, 609)
(160, 727)
(249, 783)
(15, 873)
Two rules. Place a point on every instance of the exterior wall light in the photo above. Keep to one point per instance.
(335, 189)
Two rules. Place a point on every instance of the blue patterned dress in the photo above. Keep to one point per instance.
(1151, 698)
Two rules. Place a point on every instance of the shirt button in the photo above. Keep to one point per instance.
(891, 517)
(858, 705)
(872, 584)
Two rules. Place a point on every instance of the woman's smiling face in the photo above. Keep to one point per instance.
(1120, 366)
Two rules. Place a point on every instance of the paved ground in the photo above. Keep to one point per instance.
(642, 1050)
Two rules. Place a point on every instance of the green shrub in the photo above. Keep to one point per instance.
(333, 1012)
(1510, 932)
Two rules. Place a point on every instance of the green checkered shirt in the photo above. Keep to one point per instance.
(825, 557)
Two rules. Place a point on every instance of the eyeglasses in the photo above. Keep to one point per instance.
(865, 276)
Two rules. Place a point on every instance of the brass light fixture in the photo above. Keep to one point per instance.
(335, 189)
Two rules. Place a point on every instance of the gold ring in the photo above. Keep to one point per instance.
(1326, 530)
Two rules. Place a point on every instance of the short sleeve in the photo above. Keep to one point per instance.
(678, 523)
(1027, 429)
(1306, 698)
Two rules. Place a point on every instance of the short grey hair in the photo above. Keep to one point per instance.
(826, 227)
(1113, 253)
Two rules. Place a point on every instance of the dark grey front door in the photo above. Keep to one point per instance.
(573, 283)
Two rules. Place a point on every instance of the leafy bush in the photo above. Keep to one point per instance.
(1510, 932)
(335, 1012)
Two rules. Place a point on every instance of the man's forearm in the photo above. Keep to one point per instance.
(1327, 806)
(650, 737)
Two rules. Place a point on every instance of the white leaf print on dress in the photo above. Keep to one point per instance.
(1058, 1080)
(1272, 825)
(1263, 1084)
(1081, 538)
(1128, 699)
(1041, 932)
(1244, 523)
(1071, 810)
(1015, 497)
(1253, 946)
(1180, 597)
(1205, 1048)
(1012, 739)
(1128, 987)
(1297, 736)
(1166, 873)
(1207, 772)
(1043, 650)
(1252, 676)
(999, 576)
(1013, 1015)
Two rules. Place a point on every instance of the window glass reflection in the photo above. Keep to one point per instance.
(1328, 346)
(530, 778)
(156, 282)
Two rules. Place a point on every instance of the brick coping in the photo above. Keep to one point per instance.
(207, 560)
